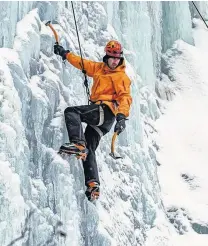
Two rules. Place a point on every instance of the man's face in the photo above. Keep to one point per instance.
(113, 62)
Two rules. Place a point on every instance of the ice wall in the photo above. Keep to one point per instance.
(10, 14)
(176, 23)
(41, 193)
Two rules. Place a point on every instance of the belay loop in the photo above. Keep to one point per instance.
(82, 63)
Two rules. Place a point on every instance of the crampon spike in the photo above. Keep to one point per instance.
(79, 156)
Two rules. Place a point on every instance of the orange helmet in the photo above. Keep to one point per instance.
(113, 48)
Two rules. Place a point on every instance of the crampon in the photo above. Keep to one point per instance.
(93, 191)
(79, 151)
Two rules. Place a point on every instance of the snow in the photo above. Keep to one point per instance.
(183, 139)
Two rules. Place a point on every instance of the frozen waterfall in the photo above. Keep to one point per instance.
(42, 200)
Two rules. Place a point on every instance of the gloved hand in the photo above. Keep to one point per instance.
(120, 124)
(59, 50)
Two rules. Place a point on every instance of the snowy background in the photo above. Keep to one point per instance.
(157, 194)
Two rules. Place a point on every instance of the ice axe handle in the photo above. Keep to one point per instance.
(48, 23)
(112, 154)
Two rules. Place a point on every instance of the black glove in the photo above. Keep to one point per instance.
(59, 50)
(120, 124)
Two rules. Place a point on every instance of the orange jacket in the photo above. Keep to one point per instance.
(108, 85)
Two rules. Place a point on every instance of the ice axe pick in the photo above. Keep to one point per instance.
(48, 23)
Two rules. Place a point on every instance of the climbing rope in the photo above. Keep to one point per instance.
(200, 14)
(82, 63)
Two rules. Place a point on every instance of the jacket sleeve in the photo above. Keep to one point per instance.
(89, 66)
(124, 99)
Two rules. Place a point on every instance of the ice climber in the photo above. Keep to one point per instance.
(110, 99)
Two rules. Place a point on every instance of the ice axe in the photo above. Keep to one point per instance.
(112, 154)
(48, 23)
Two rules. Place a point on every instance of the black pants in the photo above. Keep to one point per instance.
(90, 114)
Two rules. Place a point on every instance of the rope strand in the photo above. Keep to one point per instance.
(200, 14)
(83, 70)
